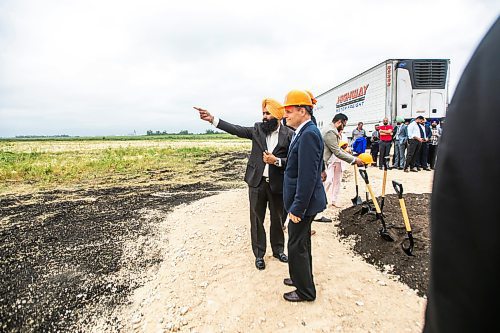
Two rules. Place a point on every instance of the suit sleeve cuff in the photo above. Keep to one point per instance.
(215, 122)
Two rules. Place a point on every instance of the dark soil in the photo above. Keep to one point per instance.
(59, 251)
(412, 270)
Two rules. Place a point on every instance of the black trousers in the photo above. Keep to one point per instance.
(432, 155)
(413, 151)
(374, 151)
(260, 198)
(423, 156)
(300, 258)
(385, 149)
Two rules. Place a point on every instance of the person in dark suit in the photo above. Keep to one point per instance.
(303, 193)
(465, 229)
(264, 175)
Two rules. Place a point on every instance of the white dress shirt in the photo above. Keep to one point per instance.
(297, 131)
(413, 130)
(271, 142)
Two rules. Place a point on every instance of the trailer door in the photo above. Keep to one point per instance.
(403, 93)
(438, 103)
(420, 103)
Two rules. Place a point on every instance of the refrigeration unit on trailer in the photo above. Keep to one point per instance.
(396, 87)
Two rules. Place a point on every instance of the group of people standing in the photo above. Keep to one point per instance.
(295, 171)
(285, 172)
(462, 293)
(415, 143)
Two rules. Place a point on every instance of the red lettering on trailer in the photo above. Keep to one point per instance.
(353, 94)
(388, 75)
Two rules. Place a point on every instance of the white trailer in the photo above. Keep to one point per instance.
(396, 87)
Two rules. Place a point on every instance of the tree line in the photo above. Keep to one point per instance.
(183, 132)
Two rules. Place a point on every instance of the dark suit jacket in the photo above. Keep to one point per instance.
(303, 191)
(255, 165)
(465, 233)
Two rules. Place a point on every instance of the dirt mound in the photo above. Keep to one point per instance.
(388, 256)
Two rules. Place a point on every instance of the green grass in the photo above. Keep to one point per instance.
(169, 137)
(40, 167)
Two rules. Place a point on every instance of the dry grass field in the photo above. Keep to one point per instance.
(27, 166)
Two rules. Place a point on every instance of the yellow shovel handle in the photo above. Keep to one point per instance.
(405, 214)
(377, 207)
(383, 182)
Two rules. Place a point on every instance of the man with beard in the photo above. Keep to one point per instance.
(331, 138)
(264, 175)
(434, 141)
(385, 142)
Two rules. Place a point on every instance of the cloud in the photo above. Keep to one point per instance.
(109, 67)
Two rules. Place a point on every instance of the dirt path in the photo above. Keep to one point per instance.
(208, 282)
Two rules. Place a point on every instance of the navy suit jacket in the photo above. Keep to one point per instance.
(303, 191)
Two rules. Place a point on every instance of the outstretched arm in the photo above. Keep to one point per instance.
(240, 131)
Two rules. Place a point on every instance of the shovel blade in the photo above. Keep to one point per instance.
(356, 201)
(408, 249)
(385, 235)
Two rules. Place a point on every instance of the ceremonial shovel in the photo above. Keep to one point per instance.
(383, 231)
(399, 190)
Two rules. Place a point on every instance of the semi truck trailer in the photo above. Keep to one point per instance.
(405, 88)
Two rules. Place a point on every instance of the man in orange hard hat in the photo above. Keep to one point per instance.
(323, 171)
(264, 175)
(303, 193)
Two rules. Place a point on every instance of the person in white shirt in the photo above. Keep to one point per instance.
(416, 135)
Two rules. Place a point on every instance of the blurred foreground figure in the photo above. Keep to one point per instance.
(465, 226)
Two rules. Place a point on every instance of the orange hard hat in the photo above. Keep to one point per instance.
(313, 100)
(297, 97)
(366, 158)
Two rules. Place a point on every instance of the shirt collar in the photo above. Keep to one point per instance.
(278, 129)
(297, 131)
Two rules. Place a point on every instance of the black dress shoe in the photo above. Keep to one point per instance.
(323, 219)
(294, 297)
(281, 257)
(260, 264)
(288, 282)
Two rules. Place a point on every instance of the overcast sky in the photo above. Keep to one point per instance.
(106, 67)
